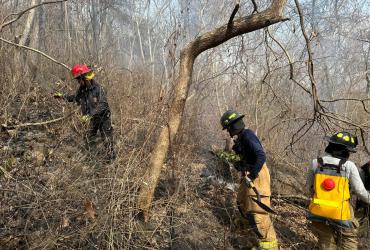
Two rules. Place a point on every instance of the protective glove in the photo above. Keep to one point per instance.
(249, 181)
(252, 177)
(85, 118)
(58, 95)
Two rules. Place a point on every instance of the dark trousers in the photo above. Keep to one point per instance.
(103, 124)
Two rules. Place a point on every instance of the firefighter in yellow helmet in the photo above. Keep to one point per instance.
(256, 176)
(329, 180)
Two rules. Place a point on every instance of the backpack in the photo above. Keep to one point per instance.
(331, 200)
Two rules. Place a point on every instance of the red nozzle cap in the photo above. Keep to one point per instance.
(328, 184)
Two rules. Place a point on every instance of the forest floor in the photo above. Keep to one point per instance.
(55, 194)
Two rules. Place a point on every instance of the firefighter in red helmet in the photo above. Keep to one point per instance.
(95, 110)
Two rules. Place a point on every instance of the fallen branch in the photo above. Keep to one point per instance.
(4, 126)
(36, 51)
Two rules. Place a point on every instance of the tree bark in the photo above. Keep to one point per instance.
(25, 38)
(272, 15)
(27, 29)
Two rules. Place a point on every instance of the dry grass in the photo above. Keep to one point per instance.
(48, 178)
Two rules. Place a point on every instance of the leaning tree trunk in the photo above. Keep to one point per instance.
(272, 15)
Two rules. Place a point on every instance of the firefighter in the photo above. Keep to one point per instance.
(253, 164)
(329, 180)
(95, 110)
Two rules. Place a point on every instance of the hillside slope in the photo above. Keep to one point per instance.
(57, 195)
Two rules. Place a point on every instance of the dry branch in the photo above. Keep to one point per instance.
(4, 126)
(36, 51)
(272, 15)
(351, 99)
(21, 45)
(20, 14)
(286, 54)
(255, 7)
(316, 101)
(298, 201)
(230, 23)
(290, 197)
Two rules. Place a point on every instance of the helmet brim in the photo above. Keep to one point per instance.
(229, 125)
(330, 140)
(81, 74)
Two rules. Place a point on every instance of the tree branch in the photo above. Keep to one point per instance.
(20, 14)
(36, 51)
(4, 126)
(188, 54)
(350, 99)
(230, 23)
(255, 7)
(310, 60)
(291, 67)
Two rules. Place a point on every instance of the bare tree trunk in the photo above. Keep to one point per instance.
(67, 31)
(95, 29)
(243, 25)
(366, 69)
(25, 37)
(138, 23)
(27, 29)
(32, 60)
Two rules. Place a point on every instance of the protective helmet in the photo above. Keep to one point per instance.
(229, 117)
(345, 139)
(79, 70)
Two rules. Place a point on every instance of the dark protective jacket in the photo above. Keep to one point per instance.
(364, 171)
(92, 99)
(249, 147)
(365, 175)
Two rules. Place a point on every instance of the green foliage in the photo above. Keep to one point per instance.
(228, 156)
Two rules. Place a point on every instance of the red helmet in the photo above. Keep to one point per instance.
(80, 69)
